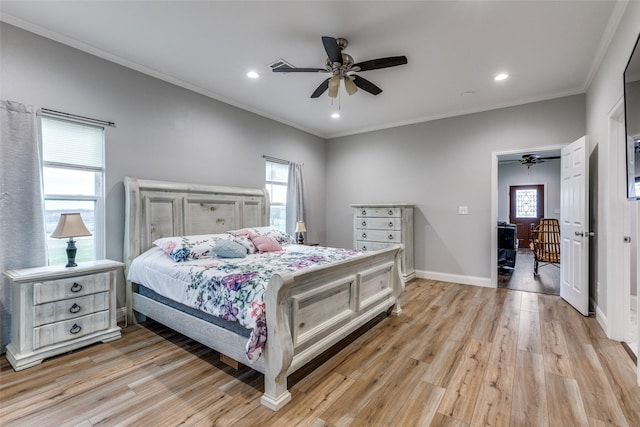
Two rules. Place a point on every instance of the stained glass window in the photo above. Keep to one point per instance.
(527, 203)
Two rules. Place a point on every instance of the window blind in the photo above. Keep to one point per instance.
(72, 143)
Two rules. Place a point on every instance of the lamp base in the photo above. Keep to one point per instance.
(300, 239)
(71, 253)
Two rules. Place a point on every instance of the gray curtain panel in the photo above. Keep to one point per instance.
(296, 198)
(22, 231)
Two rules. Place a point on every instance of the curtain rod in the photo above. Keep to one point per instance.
(275, 159)
(49, 112)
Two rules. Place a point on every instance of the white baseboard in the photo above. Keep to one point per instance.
(455, 278)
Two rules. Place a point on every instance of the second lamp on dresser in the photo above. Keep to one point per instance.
(377, 226)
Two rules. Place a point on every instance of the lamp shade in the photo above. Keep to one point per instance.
(300, 227)
(70, 225)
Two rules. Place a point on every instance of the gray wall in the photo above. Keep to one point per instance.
(547, 174)
(163, 131)
(439, 166)
(605, 91)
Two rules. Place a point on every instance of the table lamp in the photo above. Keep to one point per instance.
(70, 225)
(300, 228)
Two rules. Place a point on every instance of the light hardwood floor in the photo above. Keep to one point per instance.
(457, 355)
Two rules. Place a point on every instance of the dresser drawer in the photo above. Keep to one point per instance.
(379, 212)
(70, 329)
(371, 246)
(391, 236)
(69, 308)
(54, 290)
(378, 223)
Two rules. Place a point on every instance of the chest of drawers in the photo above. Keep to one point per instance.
(57, 309)
(377, 226)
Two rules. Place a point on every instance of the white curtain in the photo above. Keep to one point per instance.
(296, 200)
(22, 232)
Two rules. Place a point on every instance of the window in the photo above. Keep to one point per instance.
(73, 175)
(527, 203)
(276, 183)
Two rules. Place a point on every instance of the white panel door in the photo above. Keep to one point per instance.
(574, 228)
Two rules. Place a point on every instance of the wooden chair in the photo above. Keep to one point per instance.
(546, 244)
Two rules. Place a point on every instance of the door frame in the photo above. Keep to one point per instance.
(616, 209)
(494, 201)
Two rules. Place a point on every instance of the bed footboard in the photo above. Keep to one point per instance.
(311, 310)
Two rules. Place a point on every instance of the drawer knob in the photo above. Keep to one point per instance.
(390, 224)
(364, 223)
(75, 308)
(364, 249)
(364, 235)
(390, 212)
(77, 287)
(390, 236)
(364, 211)
(75, 329)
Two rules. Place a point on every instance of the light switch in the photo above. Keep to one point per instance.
(463, 210)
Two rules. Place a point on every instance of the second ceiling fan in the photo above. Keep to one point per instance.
(342, 66)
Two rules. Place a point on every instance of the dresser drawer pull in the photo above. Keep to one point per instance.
(75, 329)
(390, 212)
(364, 223)
(364, 211)
(75, 308)
(364, 235)
(364, 249)
(77, 287)
(390, 236)
(390, 224)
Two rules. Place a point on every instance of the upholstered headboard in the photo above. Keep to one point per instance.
(155, 209)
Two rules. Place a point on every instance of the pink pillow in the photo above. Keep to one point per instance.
(265, 243)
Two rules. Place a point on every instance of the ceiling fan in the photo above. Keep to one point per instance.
(532, 159)
(342, 66)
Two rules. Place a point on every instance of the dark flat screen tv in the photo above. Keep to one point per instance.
(632, 121)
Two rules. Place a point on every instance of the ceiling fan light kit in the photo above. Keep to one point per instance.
(342, 66)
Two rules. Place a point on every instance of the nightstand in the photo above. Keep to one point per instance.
(311, 244)
(57, 309)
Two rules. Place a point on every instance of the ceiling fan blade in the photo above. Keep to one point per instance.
(376, 64)
(366, 85)
(334, 85)
(349, 85)
(550, 158)
(333, 50)
(299, 70)
(320, 90)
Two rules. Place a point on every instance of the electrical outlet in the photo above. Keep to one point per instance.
(463, 210)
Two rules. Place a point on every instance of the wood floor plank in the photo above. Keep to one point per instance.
(462, 391)
(529, 405)
(494, 400)
(450, 358)
(554, 349)
(564, 401)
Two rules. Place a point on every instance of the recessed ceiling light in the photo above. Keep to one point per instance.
(501, 76)
(335, 115)
(253, 75)
(468, 93)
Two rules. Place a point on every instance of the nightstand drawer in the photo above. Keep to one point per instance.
(55, 290)
(69, 308)
(70, 329)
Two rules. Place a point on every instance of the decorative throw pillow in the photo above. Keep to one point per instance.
(280, 236)
(244, 238)
(229, 249)
(265, 243)
(186, 248)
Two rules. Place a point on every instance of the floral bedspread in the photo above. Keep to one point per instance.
(234, 289)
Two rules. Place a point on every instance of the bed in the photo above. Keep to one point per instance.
(308, 310)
